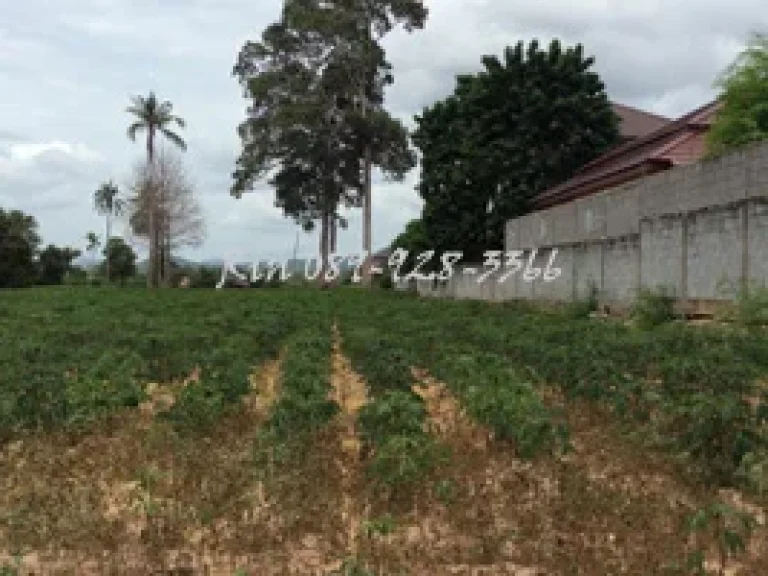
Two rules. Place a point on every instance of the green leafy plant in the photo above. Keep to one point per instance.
(730, 528)
(402, 461)
(653, 308)
(752, 308)
(381, 526)
(395, 413)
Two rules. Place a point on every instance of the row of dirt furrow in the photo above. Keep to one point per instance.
(532, 513)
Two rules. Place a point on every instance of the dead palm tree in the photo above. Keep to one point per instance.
(108, 203)
(154, 117)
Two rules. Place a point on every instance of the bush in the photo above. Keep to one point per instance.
(76, 277)
(385, 282)
(652, 309)
(752, 309)
(583, 308)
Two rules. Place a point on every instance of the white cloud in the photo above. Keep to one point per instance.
(26, 152)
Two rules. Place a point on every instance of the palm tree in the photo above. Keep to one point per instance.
(93, 245)
(107, 203)
(154, 116)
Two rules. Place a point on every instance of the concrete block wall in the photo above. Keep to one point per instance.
(699, 230)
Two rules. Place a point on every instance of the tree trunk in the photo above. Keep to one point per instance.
(367, 217)
(324, 242)
(366, 268)
(334, 230)
(109, 235)
(152, 270)
(167, 254)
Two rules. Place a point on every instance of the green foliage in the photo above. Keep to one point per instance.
(206, 278)
(90, 397)
(122, 260)
(19, 242)
(303, 407)
(414, 240)
(743, 116)
(198, 407)
(496, 396)
(381, 526)
(54, 263)
(652, 309)
(523, 124)
(753, 471)
(385, 281)
(11, 569)
(583, 308)
(304, 80)
(752, 308)
(730, 528)
(352, 567)
(402, 461)
(75, 277)
(715, 430)
(691, 389)
(81, 354)
(395, 412)
(382, 359)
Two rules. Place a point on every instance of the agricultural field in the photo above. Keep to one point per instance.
(349, 432)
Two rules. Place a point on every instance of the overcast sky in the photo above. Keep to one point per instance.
(68, 67)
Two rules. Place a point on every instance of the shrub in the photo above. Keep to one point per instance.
(752, 309)
(652, 309)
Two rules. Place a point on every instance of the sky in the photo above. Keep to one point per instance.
(69, 67)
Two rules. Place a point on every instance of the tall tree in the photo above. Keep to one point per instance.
(123, 259)
(179, 212)
(743, 116)
(316, 81)
(92, 246)
(414, 241)
(524, 123)
(19, 242)
(108, 203)
(54, 263)
(154, 117)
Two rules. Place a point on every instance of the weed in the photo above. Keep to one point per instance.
(731, 530)
(653, 308)
(752, 309)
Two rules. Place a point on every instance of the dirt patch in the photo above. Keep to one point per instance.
(350, 393)
(265, 386)
(446, 418)
(155, 501)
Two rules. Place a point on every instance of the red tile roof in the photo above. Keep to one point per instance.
(676, 143)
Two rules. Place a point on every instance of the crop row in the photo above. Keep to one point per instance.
(304, 405)
(392, 423)
(691, 389)
(73, 356)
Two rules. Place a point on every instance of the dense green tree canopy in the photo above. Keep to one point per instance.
(306, 129)
(743, 117)
(414, 240)
(526, 122)
(122, 259)
(19, 242)
(54, 263)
